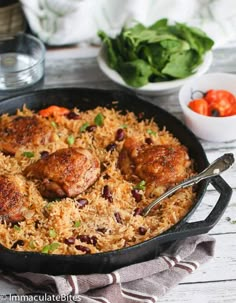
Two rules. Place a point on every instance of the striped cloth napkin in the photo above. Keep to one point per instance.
(143, 282)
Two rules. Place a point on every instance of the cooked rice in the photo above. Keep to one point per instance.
(63, 217)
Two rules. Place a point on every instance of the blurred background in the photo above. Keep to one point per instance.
(71, 22)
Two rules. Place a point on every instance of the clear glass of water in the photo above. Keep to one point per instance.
(21, 62)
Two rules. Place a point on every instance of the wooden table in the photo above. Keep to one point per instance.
(216, 281)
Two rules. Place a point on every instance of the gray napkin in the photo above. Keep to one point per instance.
(141, 282)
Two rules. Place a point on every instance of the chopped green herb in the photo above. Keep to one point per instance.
(141, 185)
(45, 249)
(54, 246)
(151, 132)
(71, 140)
(228, 219)
(99, 119)
(233, 222)
(52, 233)
(28, 154)
(83, 127)
(16, 227)
(124, 126)
(77, 223)
(31, 244)
(54, 124)
(50, 247)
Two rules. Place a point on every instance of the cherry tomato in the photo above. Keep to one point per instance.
(199, 106)
(220, 101)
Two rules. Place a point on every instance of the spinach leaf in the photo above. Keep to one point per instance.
(136, 73)
(160, 52)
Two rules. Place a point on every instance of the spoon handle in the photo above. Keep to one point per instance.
(215, 168)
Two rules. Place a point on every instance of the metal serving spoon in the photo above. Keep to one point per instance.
(215, 168)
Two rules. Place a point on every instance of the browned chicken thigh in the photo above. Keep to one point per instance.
(161, 166)
(65, 173)
(12, 197)
(24, 131)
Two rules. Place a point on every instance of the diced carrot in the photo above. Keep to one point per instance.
(54, 110)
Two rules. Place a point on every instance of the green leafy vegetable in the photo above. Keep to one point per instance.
(28, 154)
(71, 140)
(50, 248)
(77, 223)
(124, 126)
(98, 120)
(160, 52)
(83, 127)
(141, 185)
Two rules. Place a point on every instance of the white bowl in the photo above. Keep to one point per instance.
(215, 129)
(158, 88)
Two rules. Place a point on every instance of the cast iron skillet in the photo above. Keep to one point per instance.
(105, 262)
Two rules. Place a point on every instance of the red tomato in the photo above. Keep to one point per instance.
(233, 112)
(221, 102)
(199, 106)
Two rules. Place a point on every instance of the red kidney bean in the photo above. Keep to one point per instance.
(44, 154)
(137, 196)
(106, 193)
(81, 203)
(84, 238)
(91, 128)
(83, 249)
(118, 217)
(106, 177)
(101, 230)
(110, 147)
(87, 239)
(18, 242)
(94, 240)
(120, 134)
(142, 230)
(69, 241)
(73, 116)
(149, 141)
(36, 224)
(138, 211)
(140, 115)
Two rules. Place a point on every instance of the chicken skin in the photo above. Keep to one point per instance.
(65, 173)
(24, 131)
(161, 166)
(12, 197)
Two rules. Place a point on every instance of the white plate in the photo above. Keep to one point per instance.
(158, 88)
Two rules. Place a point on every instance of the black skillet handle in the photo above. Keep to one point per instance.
(201, 227)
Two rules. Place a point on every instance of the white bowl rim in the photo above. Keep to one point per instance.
(152, 87)
(195, 114)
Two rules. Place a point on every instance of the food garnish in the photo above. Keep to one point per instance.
(98, 120)
(50, 247)
(28, 154)
(71, 140)
(83, 127)
(141, 185)
(77, 224)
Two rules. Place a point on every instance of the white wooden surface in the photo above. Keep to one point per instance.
(214, 282)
